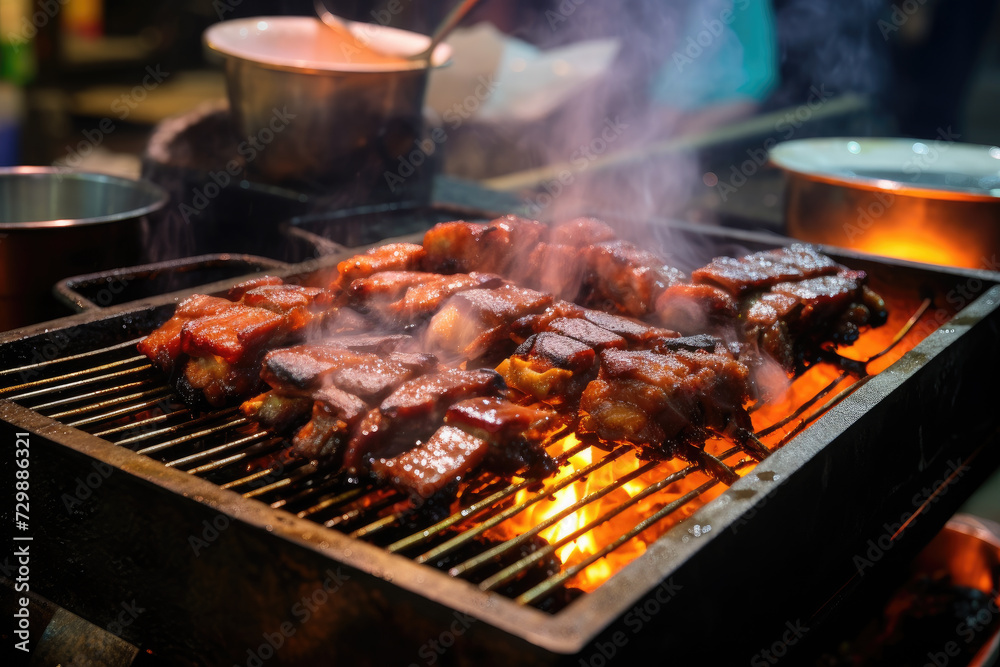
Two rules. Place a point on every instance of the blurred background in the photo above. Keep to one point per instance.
(668, 70)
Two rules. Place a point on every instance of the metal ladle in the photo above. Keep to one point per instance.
(344, 26)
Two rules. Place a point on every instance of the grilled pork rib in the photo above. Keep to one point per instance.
(556, 311)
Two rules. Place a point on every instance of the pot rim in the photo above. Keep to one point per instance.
(159, 197)
(213, 40)
(794, 157)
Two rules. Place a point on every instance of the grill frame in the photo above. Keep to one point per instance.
(417, 601)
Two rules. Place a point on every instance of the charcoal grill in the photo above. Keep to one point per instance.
(137, 499)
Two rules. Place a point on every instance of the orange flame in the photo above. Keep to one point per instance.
(560, 525)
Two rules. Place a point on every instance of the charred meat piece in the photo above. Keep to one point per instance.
(428, 394)
(789, 322)
(500, 246)
(586, 332)
(694, 309)
(636, 333)
(656, 400)
(404, 415)
(275, 410)
(474, 321)
(163, 346)
(389, 257)
(303, 369)
(325, 435)
(232, 334)
(515, 432)
(626, 279)
(765, 269)
(550, 367)
(447, 456)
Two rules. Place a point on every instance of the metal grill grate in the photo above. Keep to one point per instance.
(115, 394)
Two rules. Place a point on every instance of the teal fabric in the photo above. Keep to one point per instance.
(726, 52)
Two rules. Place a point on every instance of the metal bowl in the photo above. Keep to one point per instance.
(306, 112)
(56, 223)
(934, 201)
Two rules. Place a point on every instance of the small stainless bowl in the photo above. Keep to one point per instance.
(56, 223)
(935, 201)
(308, 113)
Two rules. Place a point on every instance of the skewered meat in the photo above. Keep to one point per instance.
(626, 278)
(446, 457)
(762, 270)
(693, 309)
(515, 432)
(499, 246)
(389, 257)
(549, 367)
(163, 346)
(655, 400)
(474, 321)
(303, 369)
(421, 401)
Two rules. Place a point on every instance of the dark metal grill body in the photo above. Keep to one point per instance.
(142, 500)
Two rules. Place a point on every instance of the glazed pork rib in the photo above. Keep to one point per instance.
(387, 371)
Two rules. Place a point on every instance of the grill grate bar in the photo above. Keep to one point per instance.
(377, 525)
(72, 357)
(93, 394)
(225, 426)
(483, 504)
(334, 500)
(234, 444)
(514, 569)
(389, 499)
(551, 583)
(67, 376)
(142, 423)
(463, 538)
(296, 475)
(481, 559)
(847, 391)
(802, 408)
(118, 400)
(177, 427)
(125, 410)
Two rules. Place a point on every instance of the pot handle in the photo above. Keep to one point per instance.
(94, 291)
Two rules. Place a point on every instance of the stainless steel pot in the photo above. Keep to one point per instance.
(310, 110)
(935, 201)
(56, 223)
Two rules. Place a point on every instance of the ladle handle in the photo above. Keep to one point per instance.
(457, 13)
